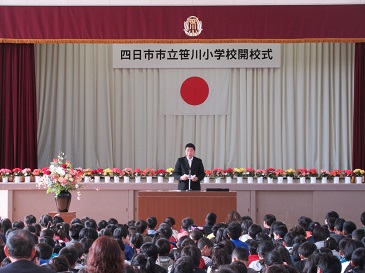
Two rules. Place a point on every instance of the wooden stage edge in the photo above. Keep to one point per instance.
(182, 204)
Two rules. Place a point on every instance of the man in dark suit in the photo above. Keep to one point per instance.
(189, 165)
(20, 250)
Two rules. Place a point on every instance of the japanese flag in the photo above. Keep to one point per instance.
(194, 91)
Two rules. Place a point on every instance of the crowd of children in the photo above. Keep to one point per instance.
(162, 246)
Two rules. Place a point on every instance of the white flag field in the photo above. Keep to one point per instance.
(194, 91)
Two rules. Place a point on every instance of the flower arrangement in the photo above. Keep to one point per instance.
(170, 172)
(138, 172)
(108, 172)
(87, 172)
(128, 172)
(148, 172)
(279, 173)
(37, 172)
(312, 173)
(250, 172)
(302, 172)
(208, 173)
(346, 173)
(239, 172)
(117, 172)
(228, 172)
(17, 172)
(27, 172)
(217, 172)
(259, 173)
(97, 172)
(358, 172)
(325, 173)
(335, 173)
(160, 172)
(6, 172)
(290, 173)
(270, 173)
(62, 177)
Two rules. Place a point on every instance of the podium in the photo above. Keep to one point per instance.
(66, 216)
(182, 204)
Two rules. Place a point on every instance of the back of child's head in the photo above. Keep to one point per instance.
(320, 233)
(304, 222)
(253, 230)
(274, 225)
(163, 246)
(331, 244)
(262, 237)
(60, 263)
(331, 214)
(136, 240)
(193, 252)
(349, 247)
(48, 240)
(348, 227)
(79, 247)
(165, 231)
(211, 218)
(57, 219)
(196, 234)
(171, 221)
(313, 225)
(202, 242)
(150, 250)
(245, 224)
(91, 223)
(252, 246)
(234, 230)
(112, 221)
(273, 257)
(30, 220)
(362, 218)
(240, 253)
(102, 224)
(120, 232)
(88, 233)
(70, 253)
(269, 219)
(105, 232)
(151, 222)
(280, 231)
(331, 223)
(358, 234)
(358, 258)
(45, 219)
(186, 223)
(306, 249)
(60, 231)
(45, 251)
(289, 239)
(86, 242)
(75, 231)
(264, 248)
(142, 225)
(18, 224)
(339, 224)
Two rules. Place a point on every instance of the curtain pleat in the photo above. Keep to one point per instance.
(358, 160)
(18, 115)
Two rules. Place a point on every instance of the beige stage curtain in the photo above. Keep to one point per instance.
(298, 116)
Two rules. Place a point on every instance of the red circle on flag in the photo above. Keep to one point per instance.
(194, 90)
